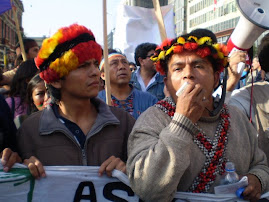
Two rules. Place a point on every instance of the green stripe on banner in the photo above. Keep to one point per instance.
(19, 172)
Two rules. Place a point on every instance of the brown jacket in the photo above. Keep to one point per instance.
(44, 136)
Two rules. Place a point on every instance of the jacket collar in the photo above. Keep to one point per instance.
(49, 123)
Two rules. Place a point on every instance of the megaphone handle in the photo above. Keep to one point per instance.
(240, 67)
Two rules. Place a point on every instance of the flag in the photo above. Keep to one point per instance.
(136, 25)
(5, 5)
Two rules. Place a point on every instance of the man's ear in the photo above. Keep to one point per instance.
(165, 80)
(216, 79)
(140, 61)
(103, 75)
(56, 84)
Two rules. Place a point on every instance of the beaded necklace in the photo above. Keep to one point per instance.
(214, 150)
(127, 104)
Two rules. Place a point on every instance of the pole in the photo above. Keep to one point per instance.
(107, 76)
(159, 17)
(18, 31)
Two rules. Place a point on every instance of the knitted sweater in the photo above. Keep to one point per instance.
(163, 159)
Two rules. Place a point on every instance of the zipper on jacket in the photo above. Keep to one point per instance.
(84, 158)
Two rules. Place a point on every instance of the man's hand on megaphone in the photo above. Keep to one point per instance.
(235, 58)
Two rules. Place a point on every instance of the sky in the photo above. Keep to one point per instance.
(44, 17)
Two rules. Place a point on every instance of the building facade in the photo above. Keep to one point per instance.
(220, 17)
(8, 34)
(144, 3)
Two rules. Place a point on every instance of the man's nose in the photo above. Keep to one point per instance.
(122, 65)
(188, 72)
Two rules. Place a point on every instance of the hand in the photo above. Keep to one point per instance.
(9, 158)
(35, 166)
(192, 102)
(234, 76)
(110, 164)
(254, 188)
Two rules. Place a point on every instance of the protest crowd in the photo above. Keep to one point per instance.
(163, 128)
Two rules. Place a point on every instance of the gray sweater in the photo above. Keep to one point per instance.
(163, 159)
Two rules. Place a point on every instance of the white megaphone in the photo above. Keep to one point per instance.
(253, 22)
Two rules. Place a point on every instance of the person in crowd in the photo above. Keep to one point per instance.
(257, 73)
(254, 101)
(146, 78)
(36, 94)
(36, 98)
(30, 46)
(17, 94)
(31, 50)
(79, 128)
(182, 143)
(132, 66)
(7, 137)
(123, 94)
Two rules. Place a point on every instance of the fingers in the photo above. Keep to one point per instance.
(251, 193)
(110, 164)
(35, 166)
(9, 158)
(253, 190)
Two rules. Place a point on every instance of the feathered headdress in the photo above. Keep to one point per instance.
(201, 46)
(68, 48)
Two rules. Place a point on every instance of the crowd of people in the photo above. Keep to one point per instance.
(53, 112)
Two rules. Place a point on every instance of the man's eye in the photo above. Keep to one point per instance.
(96, 63)
(178, 69)
(198, 66)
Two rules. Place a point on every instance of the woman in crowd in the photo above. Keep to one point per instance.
(17, 94)
(36, 94)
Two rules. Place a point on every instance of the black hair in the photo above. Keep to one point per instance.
(26, 41)
(111, 50)
(22, 76)
(141, 51)
(263, 53)
(54, 93)
(132, 63)
(30, 88)
(201, 32)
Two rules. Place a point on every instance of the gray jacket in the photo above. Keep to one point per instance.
(44, 136)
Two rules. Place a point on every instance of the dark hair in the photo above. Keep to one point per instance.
(111, 50)
(201, 32)
(263, 53)
(24, 74)
(28, 43)
(18, 60)
(141, 51)
(132, 63)
(30, 88)
(54, 93)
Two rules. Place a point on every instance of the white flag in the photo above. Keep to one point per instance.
(136, 25)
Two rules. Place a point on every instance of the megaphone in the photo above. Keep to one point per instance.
(252, 23)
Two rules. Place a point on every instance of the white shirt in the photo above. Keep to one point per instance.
(141, 82)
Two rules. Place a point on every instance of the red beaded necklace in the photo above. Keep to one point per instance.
(214, 150)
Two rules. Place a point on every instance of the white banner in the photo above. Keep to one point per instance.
(75, 183)
(136, 25)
